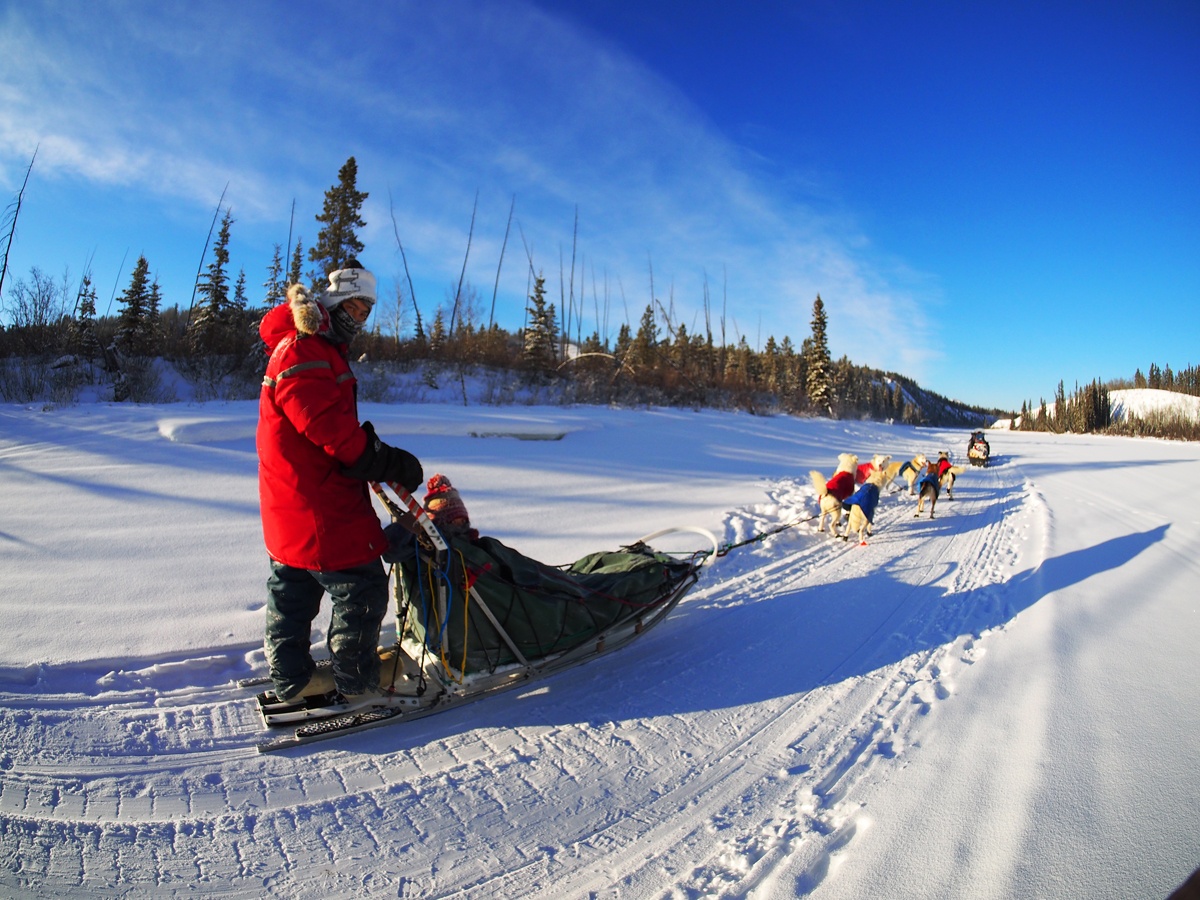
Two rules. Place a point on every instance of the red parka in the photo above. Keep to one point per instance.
(313, 516)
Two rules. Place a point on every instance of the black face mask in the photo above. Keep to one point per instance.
(342, 325)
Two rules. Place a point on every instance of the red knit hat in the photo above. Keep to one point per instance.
(445, 506)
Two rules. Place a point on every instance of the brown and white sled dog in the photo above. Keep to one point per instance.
(948, 477)
(912, 470)
(928, 486)
(831, 493)
(947, 472)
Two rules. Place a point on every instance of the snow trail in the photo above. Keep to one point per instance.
(959, 703)
(141, 769)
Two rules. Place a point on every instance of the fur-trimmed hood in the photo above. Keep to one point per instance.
(302, 314)
(309, 316)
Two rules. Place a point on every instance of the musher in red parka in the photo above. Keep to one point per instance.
(315, 459)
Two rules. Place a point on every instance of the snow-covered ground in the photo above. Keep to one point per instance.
(1003, 701)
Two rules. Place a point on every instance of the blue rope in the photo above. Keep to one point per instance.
(442, 575)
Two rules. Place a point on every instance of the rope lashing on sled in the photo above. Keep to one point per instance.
(427, 578)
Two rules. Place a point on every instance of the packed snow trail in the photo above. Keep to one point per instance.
(793, 671)
(998, 702)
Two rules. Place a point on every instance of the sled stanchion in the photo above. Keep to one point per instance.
(412, 510)
(688, 529)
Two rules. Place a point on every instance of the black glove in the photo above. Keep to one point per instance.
(381, 462)
(402, 545)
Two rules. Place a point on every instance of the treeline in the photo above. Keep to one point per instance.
(1089, 408)
(55, 343)
(1186, 381)
(1162, 423)
(51, 351)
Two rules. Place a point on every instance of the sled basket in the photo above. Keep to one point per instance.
(489, 606)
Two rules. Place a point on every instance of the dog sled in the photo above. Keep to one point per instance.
(978, 450)
(476, 617)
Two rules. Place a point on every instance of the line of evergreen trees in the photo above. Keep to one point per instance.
(1185, 381)
(55, 341)
(1087, 409)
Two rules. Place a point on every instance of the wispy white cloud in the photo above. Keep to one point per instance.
(436, 104)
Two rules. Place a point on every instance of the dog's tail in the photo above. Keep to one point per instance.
(950, 474)
(819, 483)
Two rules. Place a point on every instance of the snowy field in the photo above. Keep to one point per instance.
(1000, 702)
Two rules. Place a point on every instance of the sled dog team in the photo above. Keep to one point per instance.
(854, 488)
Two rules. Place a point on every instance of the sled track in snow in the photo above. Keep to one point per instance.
(679, 767)
(778, 804)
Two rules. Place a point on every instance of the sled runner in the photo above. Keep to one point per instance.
(475, 617)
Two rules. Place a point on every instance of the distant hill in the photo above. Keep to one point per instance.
(1143, 402)
(942, 411)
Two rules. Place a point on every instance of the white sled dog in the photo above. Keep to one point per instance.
(890, 472)
(861, 520)
(878, 463)
(831, 493)
(912, 470)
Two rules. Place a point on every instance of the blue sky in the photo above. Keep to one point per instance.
(989, 197)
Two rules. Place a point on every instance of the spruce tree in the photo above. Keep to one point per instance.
(337, 241)
(134, 326)
(819, 385)
(153, 320)
(623, 345)
(437, 334)
(294, 273)
(87, 345)
(274, 286)
(538, 352)
(645, 343)
(211, 325)
(238, 302)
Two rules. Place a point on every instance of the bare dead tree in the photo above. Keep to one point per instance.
(496, 286)
(400, 246)
(203, 256)
(116, 283)
(10, 219)
(463, 273)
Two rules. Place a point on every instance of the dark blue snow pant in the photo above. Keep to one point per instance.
(360, 599)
